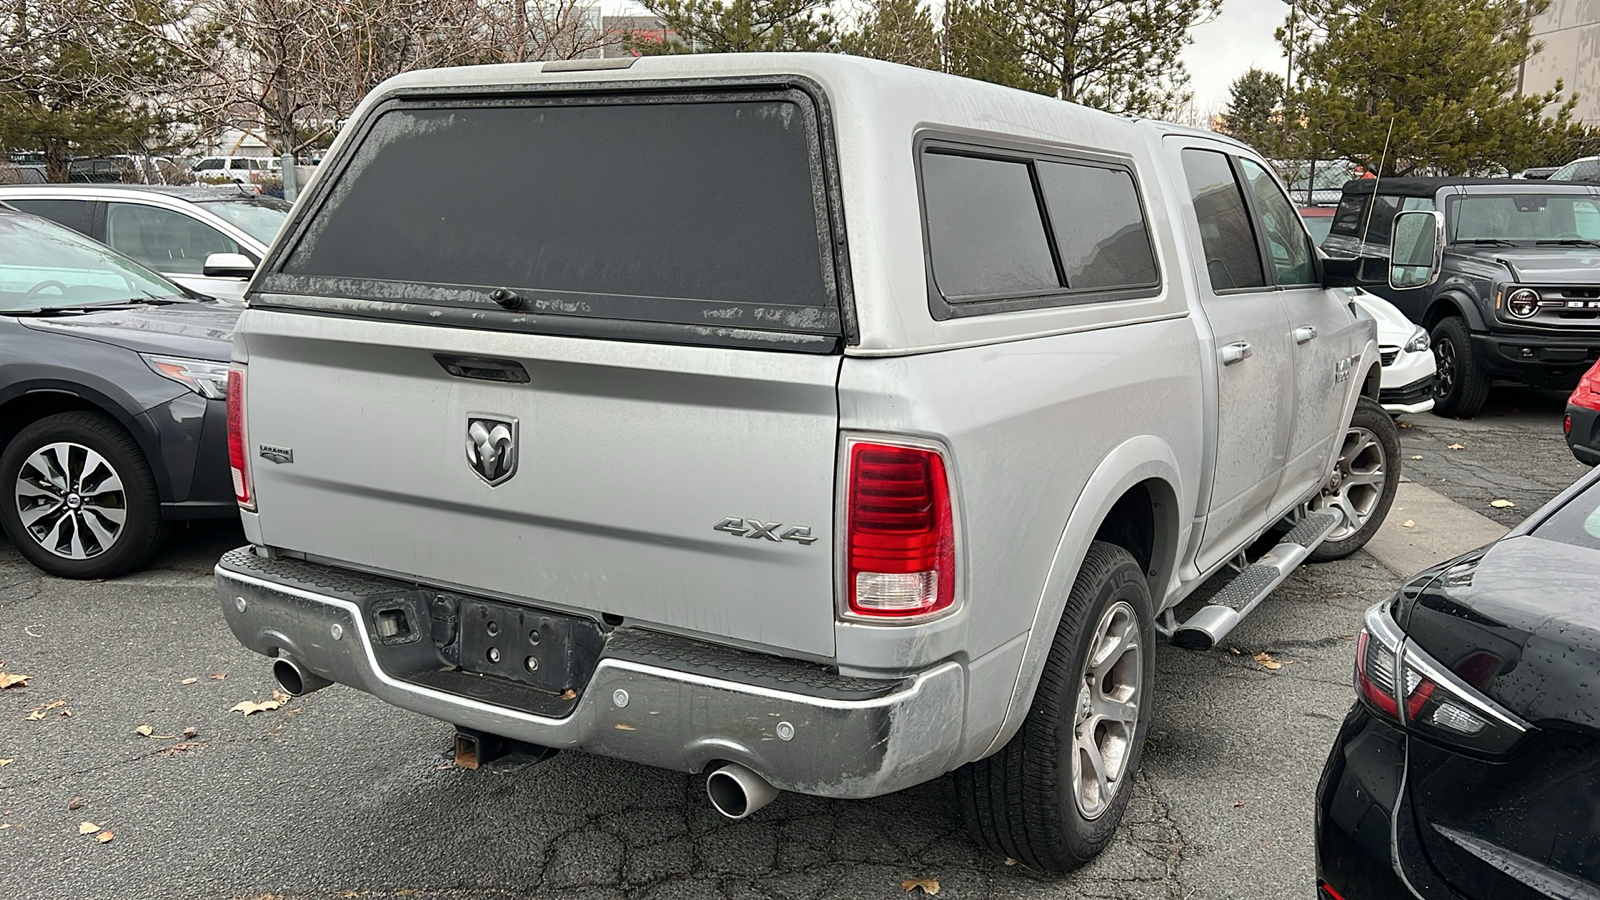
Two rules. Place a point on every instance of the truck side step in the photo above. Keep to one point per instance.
(1238, 597)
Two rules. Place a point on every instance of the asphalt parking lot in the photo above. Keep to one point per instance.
(337, 795)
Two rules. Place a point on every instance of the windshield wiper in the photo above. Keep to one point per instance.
(1495, 242)
(148, 300)
(1571, 242)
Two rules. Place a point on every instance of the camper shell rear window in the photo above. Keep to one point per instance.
(700, 217)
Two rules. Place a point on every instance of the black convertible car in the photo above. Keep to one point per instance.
(113, 414)
(1470, 764)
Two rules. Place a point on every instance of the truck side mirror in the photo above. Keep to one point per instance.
(1416, 249)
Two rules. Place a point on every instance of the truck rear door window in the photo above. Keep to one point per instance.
(646, 209)
(1233, 260)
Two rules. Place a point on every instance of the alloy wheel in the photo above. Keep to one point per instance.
(71, 500)
(1444, 357)
(1107, 716)
(1356, 484)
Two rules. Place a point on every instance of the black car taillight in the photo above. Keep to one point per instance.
(1402, 683)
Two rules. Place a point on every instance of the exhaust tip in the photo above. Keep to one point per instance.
(295, 681)
(736, 792)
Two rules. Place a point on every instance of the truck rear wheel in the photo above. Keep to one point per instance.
(1053, 796)
(1461, 387)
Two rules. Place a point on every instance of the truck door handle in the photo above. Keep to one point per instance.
(1233, 353)
(1305, 334)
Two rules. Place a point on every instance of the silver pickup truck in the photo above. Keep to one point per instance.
(820, 424)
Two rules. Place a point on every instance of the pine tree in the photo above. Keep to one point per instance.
(742, 26)
(70, 72)
(1255, 109)
(899, 31)
(1423, 85)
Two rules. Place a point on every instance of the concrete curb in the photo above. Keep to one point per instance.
(1440, 529)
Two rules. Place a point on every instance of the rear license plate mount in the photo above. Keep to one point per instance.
(549, 651)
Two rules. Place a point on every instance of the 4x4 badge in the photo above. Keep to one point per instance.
(492, 447)
(756, 530)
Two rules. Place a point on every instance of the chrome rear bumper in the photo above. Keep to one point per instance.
(655, 699)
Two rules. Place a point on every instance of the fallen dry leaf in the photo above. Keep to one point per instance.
(250, 707)
(1456, 447)
(88, 828)
(190, 732)
(7, 762)
(280, 696)
(1010, 861)
(38, 712)
(569, 694)
(1265, 660)
(1501, 504)
(145, 730)
(175, 749)
(1238, 804)
(1408, 524)
(1416, 457)
(75, 803)
(930, 886)
(1403, 424)
(65, 712)
(189, 681)
(4, 825)
(105, 837)
(1234, 650)
(218, 676)
(8, 680)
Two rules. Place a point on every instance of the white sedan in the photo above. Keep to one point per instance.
(1408, 365)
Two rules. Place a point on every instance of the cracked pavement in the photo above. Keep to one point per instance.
(338, 795)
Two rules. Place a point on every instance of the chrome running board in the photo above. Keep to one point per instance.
(1227, 607)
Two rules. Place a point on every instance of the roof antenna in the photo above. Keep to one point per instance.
(1377, 179)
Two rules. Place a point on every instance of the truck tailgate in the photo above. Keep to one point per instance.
(627, 457)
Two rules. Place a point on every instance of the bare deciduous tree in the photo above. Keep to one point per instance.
(289, 72)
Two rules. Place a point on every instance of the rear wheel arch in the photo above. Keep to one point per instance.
(1131, 498)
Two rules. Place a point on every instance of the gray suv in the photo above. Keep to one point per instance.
(1517, 296)
(816, 423)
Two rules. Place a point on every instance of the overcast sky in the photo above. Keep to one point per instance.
(1228, 45)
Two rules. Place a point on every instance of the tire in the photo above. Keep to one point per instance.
(1024, 801)
(1366, 475)
(74, 532)
(1461, 387)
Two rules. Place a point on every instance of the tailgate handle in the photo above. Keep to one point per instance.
(503, 370)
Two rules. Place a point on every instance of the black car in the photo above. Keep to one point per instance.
(113, 413)
(1470, 764)
(1518, 294)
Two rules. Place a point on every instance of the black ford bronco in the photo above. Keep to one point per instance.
(1518, 291)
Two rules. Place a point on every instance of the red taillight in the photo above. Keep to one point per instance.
(238, 459)
(1375, 675)
(899, 532)
(1588, 393)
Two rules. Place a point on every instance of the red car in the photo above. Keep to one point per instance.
(1583, 418)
